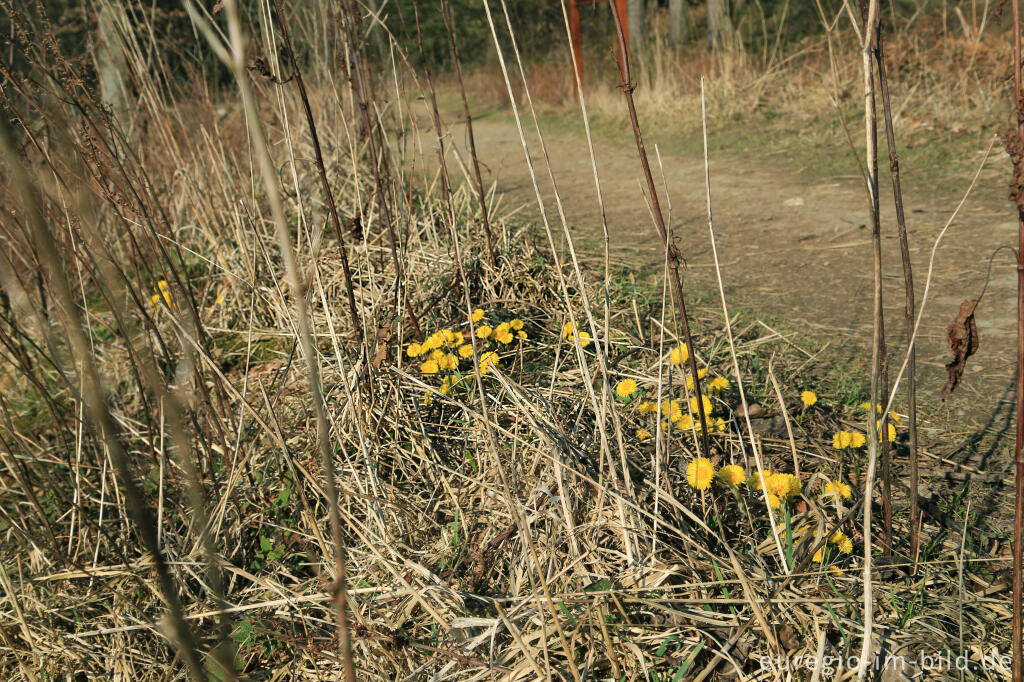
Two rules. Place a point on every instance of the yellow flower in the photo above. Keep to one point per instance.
(465, 351)
(478, 314)
(891, 430)
(718, 384)
(567, 329)
(448, 361)
(705, 401)
(429, 367)
(164, 293)
(483, 331)
(413, 350)
(642, 434)
(502, 334)
(516, 324)
(848, 439)
(647, 406)
(819, 555)
(679, 354)
(840, 540)
(756, 480)
(808, 398)
(625, 388)
(436, 355)
(683, 421)
(732, 475)
(584, 339)
(836, 488)
(433, 341)
(521, 334)
(488, 360)
(780, 485)
(701, 373)
(446, 385)
(700, 472)
(773, 501)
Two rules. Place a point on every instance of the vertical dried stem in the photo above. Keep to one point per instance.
(871, 132)
(235, 59)
(357, 81)
(909, 309)
(672, 254)
(484, 213)
(332, 208)
(1018, 509)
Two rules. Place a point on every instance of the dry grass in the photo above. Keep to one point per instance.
(529, 535)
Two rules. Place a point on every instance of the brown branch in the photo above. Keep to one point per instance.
(671, 252)
(332, 208)
(909, 309)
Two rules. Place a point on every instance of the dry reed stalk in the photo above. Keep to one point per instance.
(599, 411)
(627, 86)
(870, 33)
(332, 207)
(235, 59)
(446, 15)
(607, 397)
(1018, 507)
(349, 20)
(910, 305)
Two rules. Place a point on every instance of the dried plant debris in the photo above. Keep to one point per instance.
(963, 343)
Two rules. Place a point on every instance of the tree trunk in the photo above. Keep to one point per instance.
(110, 61)
(637, 22)
(719, 24)
(678, 23)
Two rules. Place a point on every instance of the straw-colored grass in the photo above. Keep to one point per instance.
(549, 523)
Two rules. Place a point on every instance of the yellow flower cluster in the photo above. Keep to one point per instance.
(442, 351)
(780, 487)
(700, 472)
(840, 540)
(716, 385)
(893, 417)
(809, 398)
(679, 354)
(672, 411)
(163, 293)
(571, 333)
(848, 439)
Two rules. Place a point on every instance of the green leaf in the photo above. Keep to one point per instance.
(602, 585)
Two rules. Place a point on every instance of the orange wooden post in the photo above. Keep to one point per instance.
(577, 44)
(575, 34)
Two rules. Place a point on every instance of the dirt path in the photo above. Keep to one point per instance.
(792, 245)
